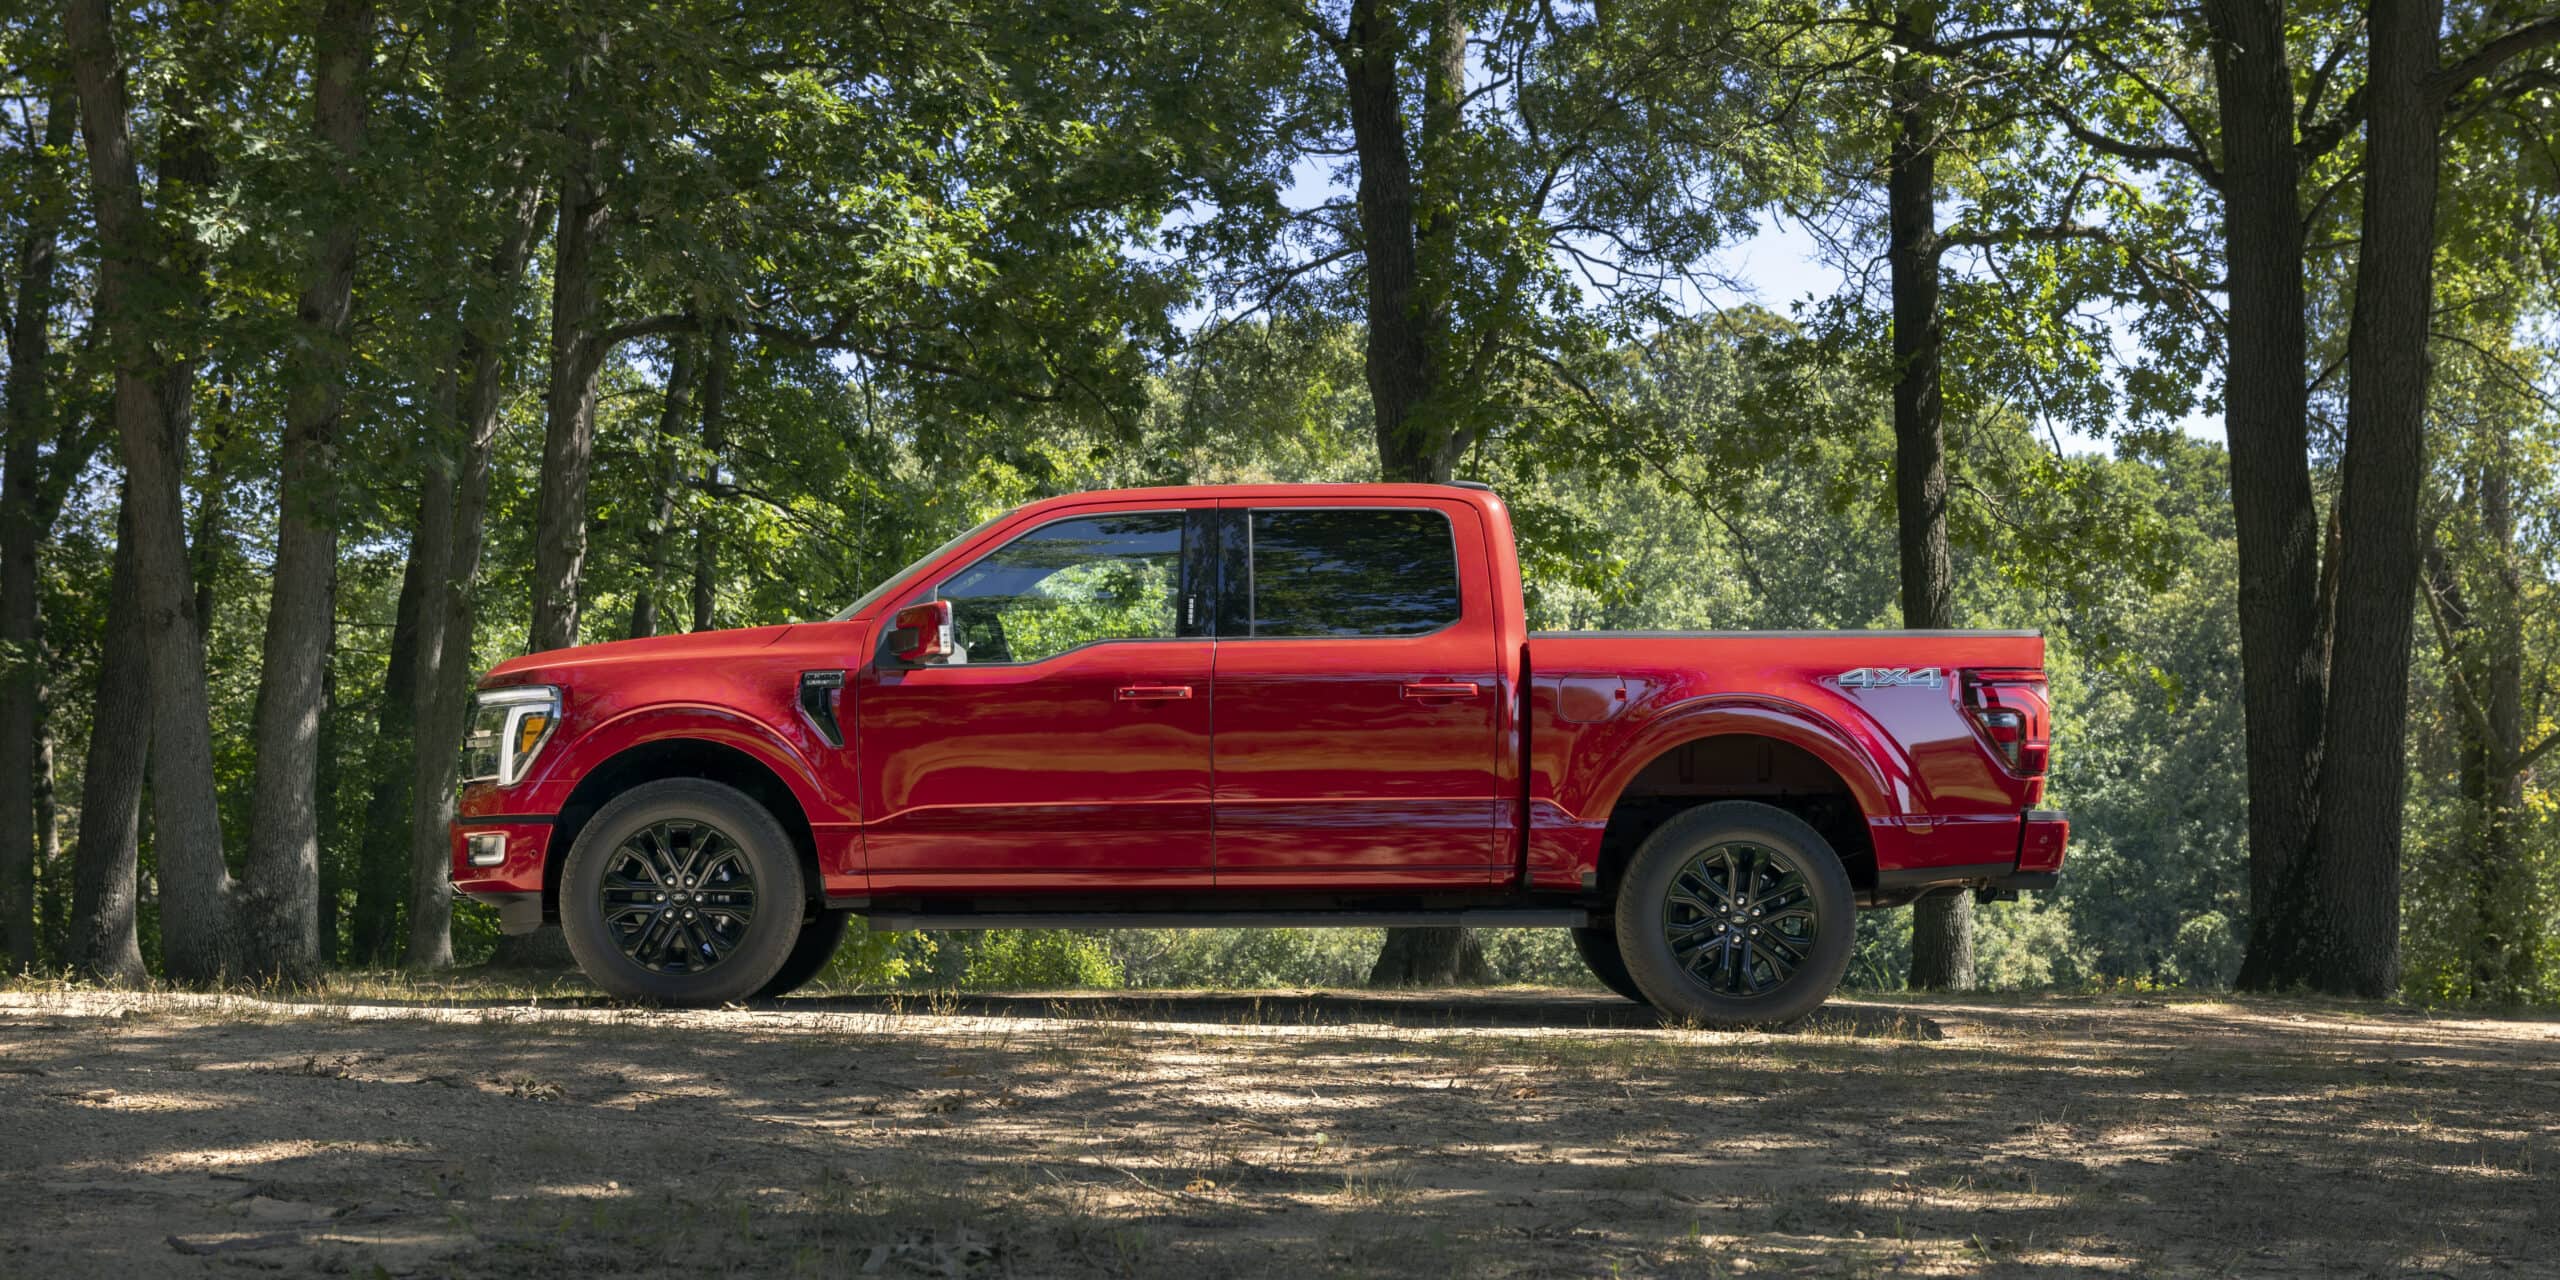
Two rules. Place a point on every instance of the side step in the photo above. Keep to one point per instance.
(1488, 918)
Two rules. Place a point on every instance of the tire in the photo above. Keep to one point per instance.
(649, 848)
(1599, 947)
(1736, 865)
(820, 935)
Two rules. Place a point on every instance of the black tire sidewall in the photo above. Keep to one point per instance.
(1645, 947)
(819, 938)
(780, 893)
(1597, 943)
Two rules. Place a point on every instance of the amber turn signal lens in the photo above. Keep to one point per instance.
(529, 731)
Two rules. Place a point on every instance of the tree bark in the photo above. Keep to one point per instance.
(104, 890)
(382, 852)
(279, 908)
(568, 446)
(134, 271)
(23, 526)
(2353, 933)
(1409, 260)
(715, 443)
(448, 614)
(1941, 923)
(2265, 405)
(675, 407)
(2502, 967)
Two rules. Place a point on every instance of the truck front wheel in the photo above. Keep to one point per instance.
(1599, 947)
(1736, 914)
(682, 891)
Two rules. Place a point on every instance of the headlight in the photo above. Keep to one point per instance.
(508, 728)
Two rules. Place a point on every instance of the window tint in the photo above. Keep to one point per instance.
(1352, 573)
(1069, 583)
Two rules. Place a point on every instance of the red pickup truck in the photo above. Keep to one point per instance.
(1261, 705)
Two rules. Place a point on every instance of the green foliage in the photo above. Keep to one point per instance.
(869, 959)
(1039, 959)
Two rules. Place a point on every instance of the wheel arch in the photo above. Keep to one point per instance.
(681, 756)
(1763, 749)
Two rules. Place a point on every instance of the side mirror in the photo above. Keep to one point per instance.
(921, 634)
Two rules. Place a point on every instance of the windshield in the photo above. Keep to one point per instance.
(898, 579)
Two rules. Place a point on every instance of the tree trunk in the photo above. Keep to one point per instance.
(2265, 408)
(1941, 923)
(672, 412)
(715, 442)
(29, 408)
(1409, 261)
(2353, 933)
(568, 445)
(447, 612)
(279, 907)
(382, 852)
(2494, 818)
(134, 274)
(104, 891)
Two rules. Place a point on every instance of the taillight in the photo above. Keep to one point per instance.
(2010, 710)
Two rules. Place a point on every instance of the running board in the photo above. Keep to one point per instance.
(1489, 918)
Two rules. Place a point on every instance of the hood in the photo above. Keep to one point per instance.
(694, 647)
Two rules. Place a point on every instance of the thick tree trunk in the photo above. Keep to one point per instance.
(2265, 408)
(568, 445)
(104, 890)
(672, 413)
(279, 907)
(447, 612)
(133, 274)
(2353, 931)
(1942, 923)
(23, 526)
(1399, 354)
(1409, 260)
(715, 443)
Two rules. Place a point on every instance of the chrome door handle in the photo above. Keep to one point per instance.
(1437, 690)
(1154, 692)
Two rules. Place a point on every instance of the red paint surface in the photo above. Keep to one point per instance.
(1293, 763)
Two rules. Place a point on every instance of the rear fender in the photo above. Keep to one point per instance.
(1568, 823)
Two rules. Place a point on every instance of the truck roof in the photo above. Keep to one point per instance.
(1464, 491)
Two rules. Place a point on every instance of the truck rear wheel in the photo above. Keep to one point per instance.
(682, 891)
(820, 935)
(1736, 914)
(1599, 947)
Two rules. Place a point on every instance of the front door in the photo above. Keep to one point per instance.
(1357, 688)
(1067, 744)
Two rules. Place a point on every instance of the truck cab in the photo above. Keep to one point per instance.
(1250, 705)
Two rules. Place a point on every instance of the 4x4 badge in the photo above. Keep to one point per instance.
(1889, 677)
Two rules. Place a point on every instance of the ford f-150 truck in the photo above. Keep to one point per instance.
(1250, 706)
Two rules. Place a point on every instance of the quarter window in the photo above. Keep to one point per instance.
(1350, 572)
(1069, 583)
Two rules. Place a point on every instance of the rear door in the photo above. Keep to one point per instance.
(1357, 687)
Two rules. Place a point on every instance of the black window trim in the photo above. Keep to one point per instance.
(1246, 509)
(933, 590)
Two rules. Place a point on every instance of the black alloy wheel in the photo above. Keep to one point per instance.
(678, 896)
(682, 891)
(1740, 918)
(1736, 914)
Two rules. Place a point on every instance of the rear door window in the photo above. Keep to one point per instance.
(1363, 571)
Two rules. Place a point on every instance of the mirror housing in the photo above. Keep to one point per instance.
(921, 634)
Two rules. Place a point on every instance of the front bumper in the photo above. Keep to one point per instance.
(498, 859)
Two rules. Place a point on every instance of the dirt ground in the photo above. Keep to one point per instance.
(1515, 1133)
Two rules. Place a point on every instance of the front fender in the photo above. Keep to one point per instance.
(557, 774)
